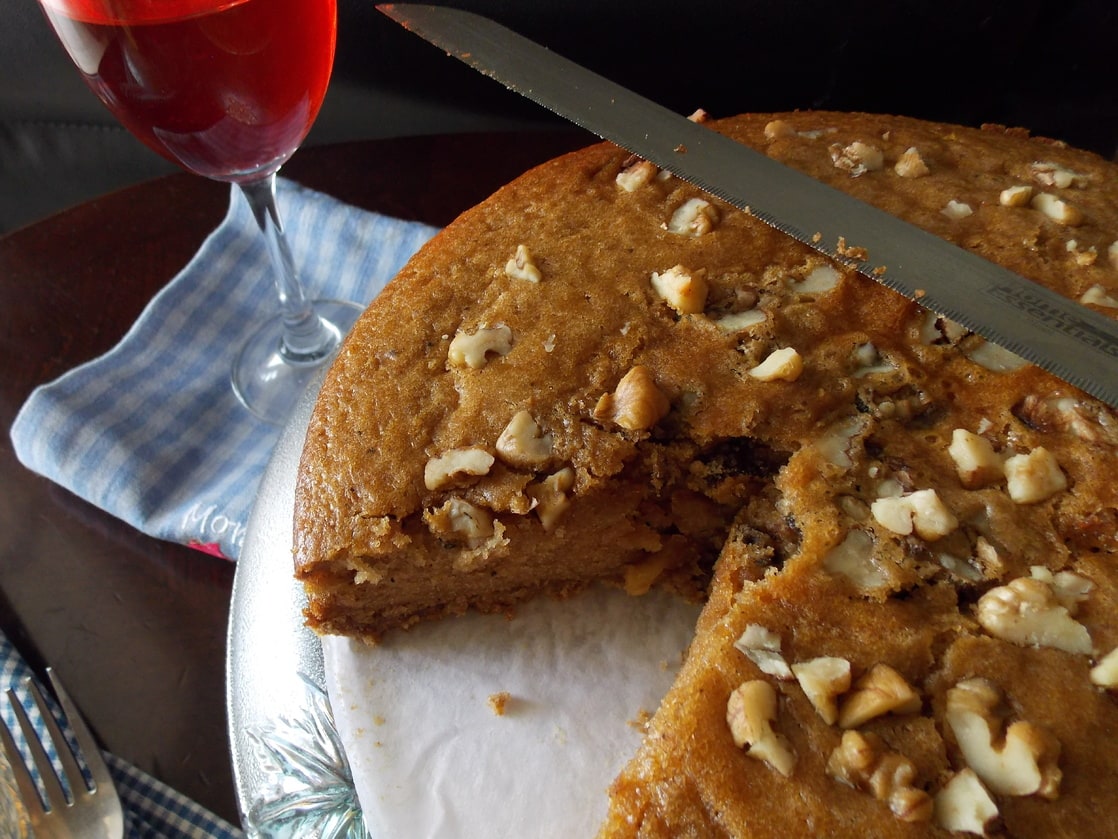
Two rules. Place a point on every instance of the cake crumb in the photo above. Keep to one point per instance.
(641, 720)
(498, 702)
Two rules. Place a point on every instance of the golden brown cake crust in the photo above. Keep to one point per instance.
(590, 376)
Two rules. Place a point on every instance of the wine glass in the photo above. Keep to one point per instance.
(226, 89)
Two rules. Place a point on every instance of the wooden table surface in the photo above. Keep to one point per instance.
(136, 627)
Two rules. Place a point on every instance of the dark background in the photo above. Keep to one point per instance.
(1044, 65)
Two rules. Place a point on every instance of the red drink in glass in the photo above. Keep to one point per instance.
(225, 88)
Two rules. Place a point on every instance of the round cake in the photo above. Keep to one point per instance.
(905, 536)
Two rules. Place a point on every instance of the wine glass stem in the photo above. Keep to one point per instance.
(306, 337)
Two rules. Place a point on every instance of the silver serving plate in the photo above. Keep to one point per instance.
(289, 766)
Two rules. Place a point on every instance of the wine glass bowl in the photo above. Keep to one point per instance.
(227, 89)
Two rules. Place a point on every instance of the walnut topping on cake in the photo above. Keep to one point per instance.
(1034, 477)
(694, 217)
(682, 289)
(637, 404)
(956, 210)
(473, 350)
(523, 443)
(550, 496)
(864, 762)
(1097, 295)
(964, 805)
(522, 266)
(1105, 673)
(976, 462)
(1016, 196)
(750, 712)
(911, 164)
(762, 647)
(823, 680)
(1057, 209)
(459, 522)
(921, 512)
(1047, 173)
(779, 129)
(456, 465)
(1016, 759)
(857, 158)
(782, 365)
(853, 559)
(633, 177)
(881, 690)
(1029, 611)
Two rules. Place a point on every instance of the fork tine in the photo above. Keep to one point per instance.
(47, 776)
(25, 783)
(87, 746)
(70, 768)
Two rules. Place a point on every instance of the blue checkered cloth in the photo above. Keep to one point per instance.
(152, 810)
(151, 431)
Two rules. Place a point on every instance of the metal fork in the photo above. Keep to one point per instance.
(92, 810)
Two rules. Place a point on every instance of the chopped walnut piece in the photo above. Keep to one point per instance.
(778, 129)
(994, 357)
(682, 289)
(853, 559)
(458, 520)
(956, 210)
(699, 116)
(911, 164)
(695, 217)
(1015, 196)
(632, 178)
(550, 496)
(836, 443)
(1057, 209)
(881, 690)
(737, 321)
(762, 647)
(976, 462)
(1112, 254)
(750, 712)
(819, 280)
(1027, 611)
(456, 465)
(522, 443)
(1105, 673)
(474, 350)
(1018, 759)
(637, 404)
(920, 512)
(864, 762)
(1096, 295)
(523, 267)
(1047, 173)
(857, 158)
(1086, 419)
(783, 365)
(823, 680)
(964, 805)
(1034, 477)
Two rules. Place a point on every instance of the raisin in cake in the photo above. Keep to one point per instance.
(906, 536)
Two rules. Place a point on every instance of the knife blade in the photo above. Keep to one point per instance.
(1063, 337)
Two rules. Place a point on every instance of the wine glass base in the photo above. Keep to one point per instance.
(268, 382)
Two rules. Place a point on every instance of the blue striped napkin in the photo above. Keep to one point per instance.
(151, 431)
(152, 810)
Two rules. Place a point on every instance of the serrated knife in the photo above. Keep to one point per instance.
(1065, 338)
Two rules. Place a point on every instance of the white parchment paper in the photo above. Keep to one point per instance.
(431, 758)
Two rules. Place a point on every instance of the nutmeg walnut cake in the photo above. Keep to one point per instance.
(905, 536)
